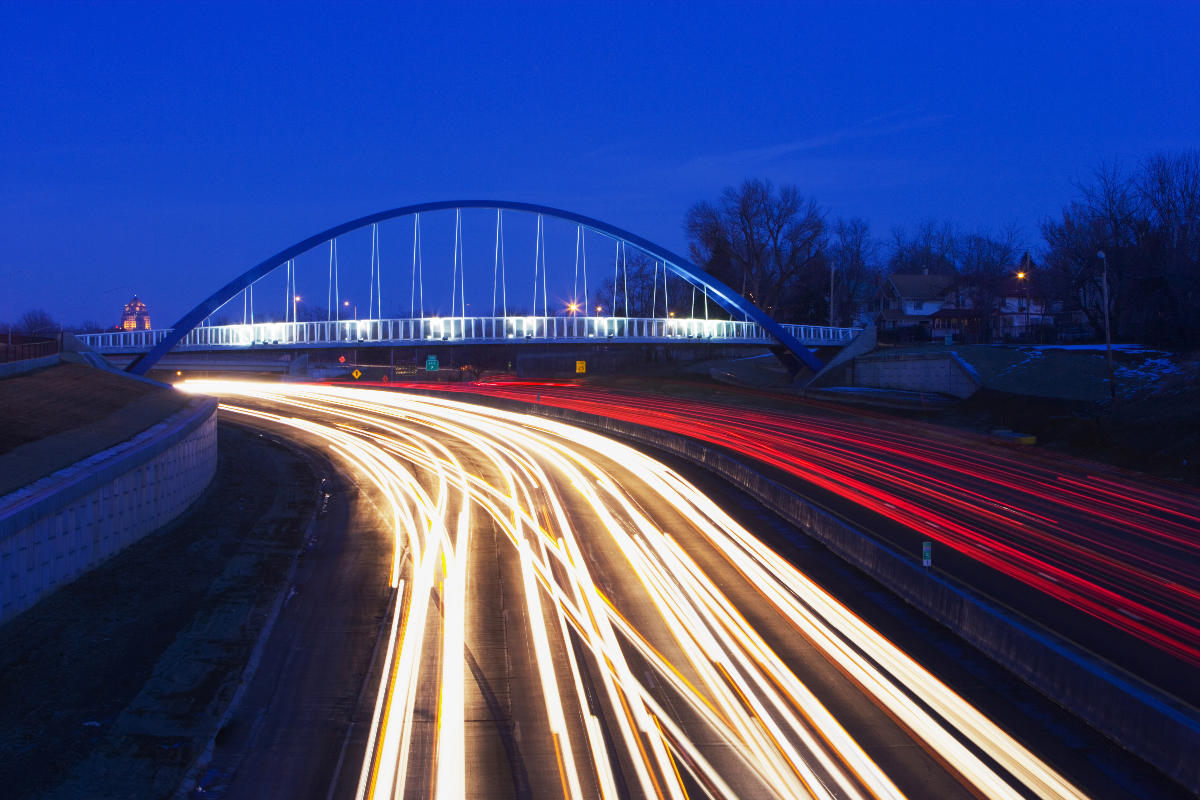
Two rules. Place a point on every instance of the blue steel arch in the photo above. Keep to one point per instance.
(727, 298)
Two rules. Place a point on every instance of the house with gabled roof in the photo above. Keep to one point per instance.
(912, 300)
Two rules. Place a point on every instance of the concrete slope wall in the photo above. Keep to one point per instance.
(1130, 712)
(942, 373)
(61, 526)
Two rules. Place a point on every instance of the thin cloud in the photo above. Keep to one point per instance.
(757, 158)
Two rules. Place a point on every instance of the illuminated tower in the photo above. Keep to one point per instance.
(136, 316)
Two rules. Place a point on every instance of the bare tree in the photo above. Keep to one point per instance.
(646, 285)
(37, 321)
(986, 261)
(931, 248)
(767, 244)
(854, 260)
(1107, 216)
(1169, 190)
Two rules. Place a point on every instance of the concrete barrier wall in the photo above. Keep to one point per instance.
(942, 373)
(63, 525)
(1130, 712)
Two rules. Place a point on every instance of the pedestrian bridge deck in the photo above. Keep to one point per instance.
(463, 330)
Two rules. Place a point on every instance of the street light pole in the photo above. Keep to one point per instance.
(1112, 386)
(831, 293)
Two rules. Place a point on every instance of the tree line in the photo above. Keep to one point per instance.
(785, 253)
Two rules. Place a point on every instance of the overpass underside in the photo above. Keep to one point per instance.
(376, 361)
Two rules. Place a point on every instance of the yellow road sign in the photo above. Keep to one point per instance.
(356, 374)
(581, 367)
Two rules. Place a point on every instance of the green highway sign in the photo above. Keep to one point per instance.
(926, 554)
(431, 363)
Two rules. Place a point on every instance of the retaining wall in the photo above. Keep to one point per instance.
(63, 525)
(943, 373)
(1130, 712)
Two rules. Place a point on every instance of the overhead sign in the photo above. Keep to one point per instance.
(357, 374)
(431, 363)
(926, 554)
(581, 367)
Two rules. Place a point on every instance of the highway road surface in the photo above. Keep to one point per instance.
(1107, 558)
(571, 618)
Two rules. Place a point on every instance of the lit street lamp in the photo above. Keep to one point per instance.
(1023, 277)
(347, 304)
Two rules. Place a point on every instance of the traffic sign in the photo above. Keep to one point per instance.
(580, 367)
(357, 374)
(431, 363)
(926, 554)
(341, 359)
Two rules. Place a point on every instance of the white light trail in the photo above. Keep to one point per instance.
(647, 670)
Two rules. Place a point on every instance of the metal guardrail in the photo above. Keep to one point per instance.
(16, 347)
(460, 330)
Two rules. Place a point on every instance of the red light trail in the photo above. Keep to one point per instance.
(1124, 552)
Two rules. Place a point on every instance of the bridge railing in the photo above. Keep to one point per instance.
(432, 330)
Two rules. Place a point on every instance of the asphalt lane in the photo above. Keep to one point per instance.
(617, 631)
(301, 711)
(1103, 557)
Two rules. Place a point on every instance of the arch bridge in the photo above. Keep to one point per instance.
(746, 323)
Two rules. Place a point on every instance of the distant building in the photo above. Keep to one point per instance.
(912, 300)
(136, 316)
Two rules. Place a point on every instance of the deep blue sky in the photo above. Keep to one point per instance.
(163, 149)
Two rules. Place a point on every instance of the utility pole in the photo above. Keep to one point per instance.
(831, 293)
(1112, 386)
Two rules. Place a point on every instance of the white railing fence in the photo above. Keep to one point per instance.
(482, 330)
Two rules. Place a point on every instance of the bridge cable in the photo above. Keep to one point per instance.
(537, 245)
(496, 264)
(329, 293)
(583, 249)
(503, 271)
(371, 279)
(544, 295)
(575, 286)
(462, 269)
(498, 274)
(616, 265)
(417, 267)
(666, 302)
(654, 293)
(454, 271)
(625, 276)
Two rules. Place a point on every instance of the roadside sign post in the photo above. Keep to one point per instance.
(926, 554)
